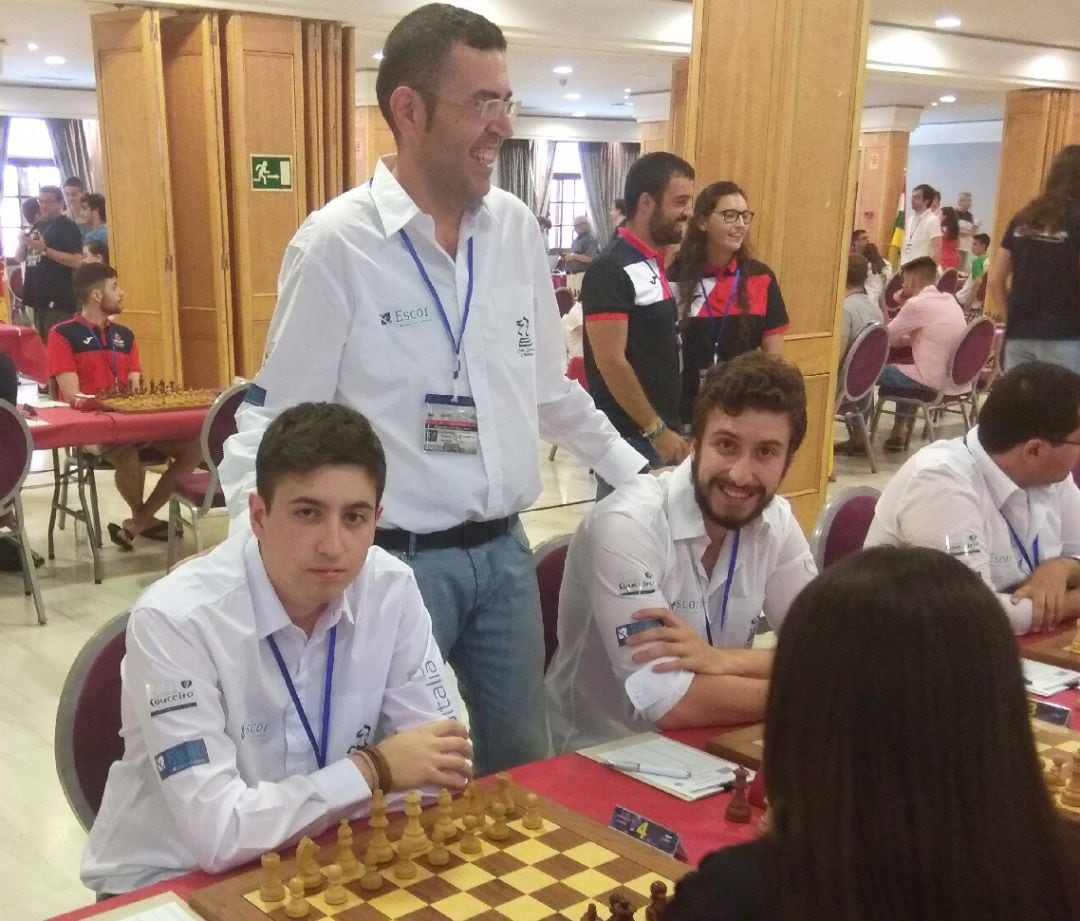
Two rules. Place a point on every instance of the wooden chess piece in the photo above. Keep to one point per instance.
(533, 821)
(405, 868)
(346, 857)
(372, 878)
(621, 909)
(272, 888)
(1055, 774)
(591, 913)
(307, 864)
(335, 894)
(384, 851)
(413, 837)
(658, 899)
(444, 816)
(297, 906)
(1070, 796)
(470, 844)
(438, 856)
(1074, 646)
(499, 830)
(506, 793)
(738, 809)
(474, 799)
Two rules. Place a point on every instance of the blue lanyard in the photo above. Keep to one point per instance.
(320, 750)
(455, 342)
(1019, 544)
(727, 590)
(718, 334)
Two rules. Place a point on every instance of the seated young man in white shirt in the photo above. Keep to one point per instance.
(665, 580)
(1002, 498)
(271, 685)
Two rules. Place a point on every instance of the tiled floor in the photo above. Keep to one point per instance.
(40, 840)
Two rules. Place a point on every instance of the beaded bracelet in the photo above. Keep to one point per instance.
(382, 768)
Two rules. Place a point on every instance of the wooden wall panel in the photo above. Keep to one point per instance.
(313, 113)
(332, 108)
(788, 135)
(263, 57)
(374, 140)
(680, 89)
(655, 136)
(882, 164)
(191, 62)
(131, 112)
(348, 108)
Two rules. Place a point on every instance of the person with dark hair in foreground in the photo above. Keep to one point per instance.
(271, 685)
(1002, 498)
(899, 763)
(666, 580)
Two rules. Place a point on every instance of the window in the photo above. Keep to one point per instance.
(29, 166)
(566, 195)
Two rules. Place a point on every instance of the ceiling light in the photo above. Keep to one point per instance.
(378, 56)
(31, 46)
(562, 69)
(572, 96)
(55, 60)
(947, 98)
(627, 90)
(933, 103)
(577, 114)
(947, 22)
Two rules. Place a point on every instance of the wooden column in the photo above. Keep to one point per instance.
(655, 136)
(1038, 124)
(774, 103)
(374, 140)
(882, 164)
(680, 91)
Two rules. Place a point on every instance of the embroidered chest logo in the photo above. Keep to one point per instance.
(405, 316)
(525, 346)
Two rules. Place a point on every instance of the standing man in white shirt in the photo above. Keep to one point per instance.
(1002, 498)
(923, 234)
(257, 676)
(666, 579)
(423, 298)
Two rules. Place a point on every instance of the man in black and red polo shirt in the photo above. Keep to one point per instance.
(90, 353)
(631, 341)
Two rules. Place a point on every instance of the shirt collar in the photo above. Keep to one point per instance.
(641, 246)
(270, 615)
(1001, 487)
(730, 269)
(683, 513)
(87, 323)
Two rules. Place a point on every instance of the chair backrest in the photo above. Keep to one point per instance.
(980, 291)
(564, 297)
(949, 281)
(575, 370)
(892, 290)
(550, 558)
(842, 524)
(220, 424)
(15, 281)
(972, 352)
(87, 739)
(861, 367)
(16, 449)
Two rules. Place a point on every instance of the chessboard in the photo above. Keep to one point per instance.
(534, 860)
(1057, 747)
(158, 400)
(1055, 650)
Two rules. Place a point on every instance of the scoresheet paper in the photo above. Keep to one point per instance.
(164, 907)
(1046, 680)
(708, 773)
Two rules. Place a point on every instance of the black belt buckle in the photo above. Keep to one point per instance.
(465, 536)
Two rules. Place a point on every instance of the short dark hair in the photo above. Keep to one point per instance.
(620, 205)
(957, 742)
(858, 267)
(97, 248)
(855, 234)
(31, 210)
(417, 48)
(312, 435)
(928, 192)
(54, 190)
(1032, 400)
(650, 175)
(89, 278)
(76, 182)
(95, 201)
(753, 380)
(923, 267)
(983, 238)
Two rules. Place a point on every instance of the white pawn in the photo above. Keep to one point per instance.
(470, 844)
(297, 906)
(439, 856)
(372, 878)
(533, 821)
(499, 830)
(335, 894)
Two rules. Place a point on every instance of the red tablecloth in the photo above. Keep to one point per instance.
(26, 350)
(66, 428)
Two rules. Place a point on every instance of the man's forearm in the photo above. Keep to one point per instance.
(718, 700)
(627, 391)
(71, 260)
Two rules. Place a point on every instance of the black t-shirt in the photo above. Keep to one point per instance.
(47, 280)
(1044, 302)
(734, 884)
(626, 281)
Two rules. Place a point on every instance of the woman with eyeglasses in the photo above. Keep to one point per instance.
(729, 303)
(899, 762)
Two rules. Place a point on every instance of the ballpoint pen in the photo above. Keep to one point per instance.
(657, 770)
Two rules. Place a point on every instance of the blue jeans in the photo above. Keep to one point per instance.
(646, 450)
(1065, 352)
(485, 613)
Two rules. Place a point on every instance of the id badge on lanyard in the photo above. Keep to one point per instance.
(450, 425)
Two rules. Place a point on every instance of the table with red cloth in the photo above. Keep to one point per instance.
(26, 350)
(573, 781)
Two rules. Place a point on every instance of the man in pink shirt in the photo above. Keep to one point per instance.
(930, 323)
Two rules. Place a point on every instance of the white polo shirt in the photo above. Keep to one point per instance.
(952, 496)
(356, 324)
(921, 230)
(217, 767)
(641, 548)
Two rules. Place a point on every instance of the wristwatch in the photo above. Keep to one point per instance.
(658, 429)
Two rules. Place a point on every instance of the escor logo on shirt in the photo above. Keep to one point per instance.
(405, 316)
(254, 729)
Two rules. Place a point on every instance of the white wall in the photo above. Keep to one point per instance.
(45, 102)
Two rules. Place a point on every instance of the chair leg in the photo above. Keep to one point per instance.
(94, 552)
(860, 427)
(29, 573)
(196, 526)
(877, 416)
(174, 539)
(57, 476)
(964, 414)
(92, 479)
(551, 456)
(929, 423)
(65, 479)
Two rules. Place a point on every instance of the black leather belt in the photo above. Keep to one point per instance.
(463, 536)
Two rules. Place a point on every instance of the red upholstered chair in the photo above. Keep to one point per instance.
(949, 281)
(892, 291)
(16, 449)
(965, 364)
(564, 297)
(859, 371)
(87, 739)
(200, 491)
(550, 557)
(842, 524)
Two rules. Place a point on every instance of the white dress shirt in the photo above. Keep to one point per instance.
(641, 548)
(217, 767)
(952, 496)
(356, 324)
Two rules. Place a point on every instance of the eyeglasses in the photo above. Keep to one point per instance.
(730, 216)
(488, 109)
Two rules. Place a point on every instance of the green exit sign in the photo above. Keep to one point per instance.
(271, 173)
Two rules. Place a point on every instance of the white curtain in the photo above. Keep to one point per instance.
(604, 165)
